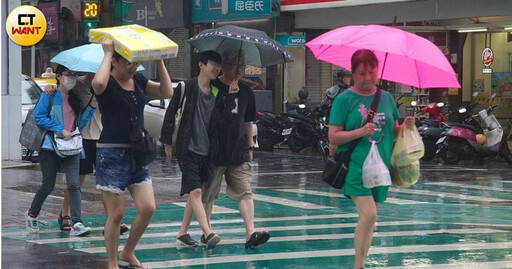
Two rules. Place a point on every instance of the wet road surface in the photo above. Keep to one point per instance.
(455, 217)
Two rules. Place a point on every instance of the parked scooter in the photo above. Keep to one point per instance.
(297, 108)
(310, 130)
(469, 141)
(272, 129)
(430, 129)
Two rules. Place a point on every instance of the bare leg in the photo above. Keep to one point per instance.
(145, 202)
(114, 208)
(364, 230)
(208, 208)
(187, 218)
(194, 205)
(246, 208)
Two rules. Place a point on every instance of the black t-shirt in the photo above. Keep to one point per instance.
(230, 136)
(115, 109)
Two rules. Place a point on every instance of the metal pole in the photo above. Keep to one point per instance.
(33, 61)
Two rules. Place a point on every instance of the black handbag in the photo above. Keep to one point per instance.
(142, 145)
(336, 168)
(32, 136)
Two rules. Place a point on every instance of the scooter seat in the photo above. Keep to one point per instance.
(462, 125)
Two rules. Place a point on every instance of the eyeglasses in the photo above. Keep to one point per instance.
(214, 64)
(241, 66)
(131, 64)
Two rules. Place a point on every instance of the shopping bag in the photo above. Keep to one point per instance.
(405, 176)
(179, 112)
(375, 171)
(408, 147)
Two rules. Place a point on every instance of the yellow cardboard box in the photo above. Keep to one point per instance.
(137, 43)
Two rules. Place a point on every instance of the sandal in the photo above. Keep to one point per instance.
(127, 265)
(257, 238)
(65, 227)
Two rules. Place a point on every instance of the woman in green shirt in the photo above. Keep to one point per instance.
(347, 123)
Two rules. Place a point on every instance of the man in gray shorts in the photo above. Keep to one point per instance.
(232, 146)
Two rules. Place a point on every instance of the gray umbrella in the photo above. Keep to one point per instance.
(255, 46)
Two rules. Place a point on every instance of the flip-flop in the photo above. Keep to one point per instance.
(65, 227)
(127, 265)
(257, 238)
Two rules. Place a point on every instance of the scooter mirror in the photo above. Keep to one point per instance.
(285, 101)
(493, 96)
(475, 94)
(302, 106)
(440, 104)
(462, 110)
(414, 103)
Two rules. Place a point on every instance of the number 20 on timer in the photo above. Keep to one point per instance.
(90, 10)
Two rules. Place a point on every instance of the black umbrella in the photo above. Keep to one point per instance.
(256, 47)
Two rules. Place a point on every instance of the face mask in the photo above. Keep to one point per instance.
(69, 82)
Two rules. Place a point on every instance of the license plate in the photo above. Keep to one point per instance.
(287, 131)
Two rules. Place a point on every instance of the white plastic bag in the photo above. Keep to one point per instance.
(408, 147)
(375, 172)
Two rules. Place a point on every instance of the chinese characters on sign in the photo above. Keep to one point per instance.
(249, 5)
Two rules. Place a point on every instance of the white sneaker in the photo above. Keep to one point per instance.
(31, 223)
(79, 229)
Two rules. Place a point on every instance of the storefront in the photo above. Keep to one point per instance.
(488, 69)
(438, 21)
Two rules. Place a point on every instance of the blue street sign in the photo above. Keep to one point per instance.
(291, 40)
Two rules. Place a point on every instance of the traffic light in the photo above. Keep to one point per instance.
(87, 25)
(90, 16)
(121, 10)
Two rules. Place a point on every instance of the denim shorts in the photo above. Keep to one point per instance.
(116, 170)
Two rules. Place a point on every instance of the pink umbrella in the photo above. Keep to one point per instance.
(403, 57)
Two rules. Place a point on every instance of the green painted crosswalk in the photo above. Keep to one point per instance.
(429, 226)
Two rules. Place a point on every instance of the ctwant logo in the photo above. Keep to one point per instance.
(26, 25)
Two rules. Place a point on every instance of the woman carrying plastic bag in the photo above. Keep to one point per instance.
(347, 123)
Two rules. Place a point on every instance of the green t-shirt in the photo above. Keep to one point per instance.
(349, 110)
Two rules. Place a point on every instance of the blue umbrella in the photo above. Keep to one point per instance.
(85, 58)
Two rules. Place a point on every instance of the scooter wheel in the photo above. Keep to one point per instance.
(430, 150)
(294, 143)
(448, 157)
(506, 154)
(264, 138)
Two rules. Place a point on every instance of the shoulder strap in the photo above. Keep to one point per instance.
(182, 95)
(369, 118)
(50, 104)
(131, 104)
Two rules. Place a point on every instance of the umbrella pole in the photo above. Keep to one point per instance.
(383, 67)
(238, 59)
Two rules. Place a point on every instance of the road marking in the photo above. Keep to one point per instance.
(301, 238)
(455, 265)
(449, 195)
(468, 186)
(287, 202)
(216, 209)
(219, 221)
(339, 195)
(326, 253)
(234, 231)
